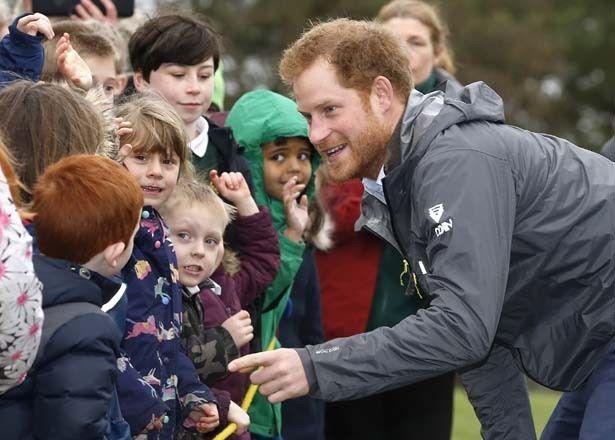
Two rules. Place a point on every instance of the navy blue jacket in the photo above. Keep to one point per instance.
(66, 395)
(21, 55)
(303, 418)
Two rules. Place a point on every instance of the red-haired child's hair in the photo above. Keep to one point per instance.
(82, 204)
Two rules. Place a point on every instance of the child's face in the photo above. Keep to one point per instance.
(196, 233)
(104, 74)
(281, 162)
(156, 172)
(188, 89)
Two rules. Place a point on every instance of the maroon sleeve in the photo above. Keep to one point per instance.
(259, 253)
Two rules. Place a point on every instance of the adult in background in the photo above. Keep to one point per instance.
(362, 294)
(507, 232)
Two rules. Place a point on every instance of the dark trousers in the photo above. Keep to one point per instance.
(589, 412)
(421, 411)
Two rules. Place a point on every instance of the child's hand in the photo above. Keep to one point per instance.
(233, 187)
(239, 417)
(32, 24)
(155, 424)
(71, 65)
(123, 128)
(206, 417)
(240, 327)
(297, 217)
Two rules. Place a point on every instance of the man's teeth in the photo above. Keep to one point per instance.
(335, 149)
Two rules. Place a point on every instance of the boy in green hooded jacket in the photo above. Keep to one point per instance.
(283, 164)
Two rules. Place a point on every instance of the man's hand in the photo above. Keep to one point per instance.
(34, 23)
(240, 327)
(87, 10)
(281, 375)
(297, 216)
(233, 187)
(239, 417)
(72, 67)
(206, 417)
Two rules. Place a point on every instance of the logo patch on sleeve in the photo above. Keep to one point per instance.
(436, 211)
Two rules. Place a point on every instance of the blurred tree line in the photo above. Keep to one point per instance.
(552, 61)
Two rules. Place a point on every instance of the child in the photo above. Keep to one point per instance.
(20, 290)
(69, 389)
(198, 218)
(98, 52)
(176, 56)
(42, 123)
(21, 51)
(283, 163)
(153, 324)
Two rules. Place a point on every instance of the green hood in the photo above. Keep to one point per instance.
(260, 117)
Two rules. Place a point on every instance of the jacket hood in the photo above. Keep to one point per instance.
(428, 115)
(260, 117)
(65, 282)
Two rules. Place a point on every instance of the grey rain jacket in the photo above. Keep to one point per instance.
(511, 235)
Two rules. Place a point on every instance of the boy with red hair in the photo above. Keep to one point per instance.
(81, 247)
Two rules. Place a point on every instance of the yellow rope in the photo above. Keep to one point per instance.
(245, 404)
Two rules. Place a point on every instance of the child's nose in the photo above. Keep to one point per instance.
(155, 168)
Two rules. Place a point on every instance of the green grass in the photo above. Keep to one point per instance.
(465, 423)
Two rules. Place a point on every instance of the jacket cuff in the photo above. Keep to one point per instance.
(308, 368)
(21, 38)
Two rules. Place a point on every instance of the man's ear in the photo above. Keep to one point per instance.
(140, 83)
(382, 94)
(113, 252)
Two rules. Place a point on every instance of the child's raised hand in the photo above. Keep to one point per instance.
(34, 23)
(297, 217)
(233, 187)
(71, 65)
(123, 128)
(206, 417)
(239, 417)
(240, 327)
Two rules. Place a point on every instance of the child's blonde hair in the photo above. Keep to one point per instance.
(190, 191)
(157, 128)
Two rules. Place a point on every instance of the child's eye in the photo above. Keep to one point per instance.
(211, 242)
(183, 235)
(177, 75)
(170, 161)
(206, 76)
(305, 156)
(140, 157)
(277, 157)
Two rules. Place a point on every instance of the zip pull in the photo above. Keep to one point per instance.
(404, 272)
(416, 286)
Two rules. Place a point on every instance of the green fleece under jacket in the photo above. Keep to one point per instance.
(257, 118)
